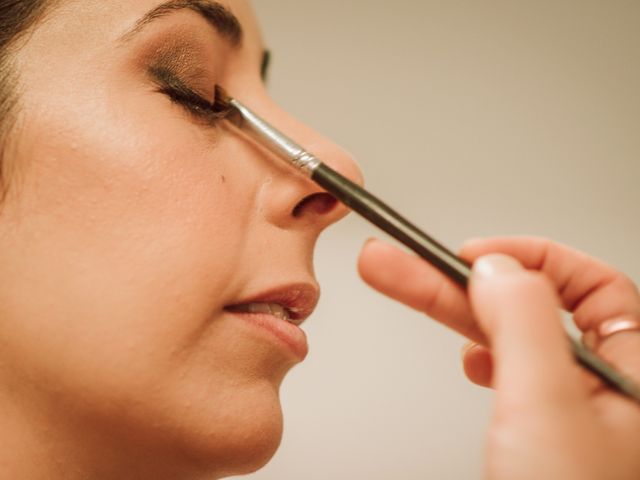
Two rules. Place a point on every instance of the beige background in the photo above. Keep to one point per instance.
(473, 118)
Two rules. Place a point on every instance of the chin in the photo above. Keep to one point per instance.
(238, 438)
(255, 450)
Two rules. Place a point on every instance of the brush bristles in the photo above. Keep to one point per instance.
(222, 98)
(225, 108)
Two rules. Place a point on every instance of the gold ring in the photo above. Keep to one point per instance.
(594, 337)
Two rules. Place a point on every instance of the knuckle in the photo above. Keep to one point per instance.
(433, 297)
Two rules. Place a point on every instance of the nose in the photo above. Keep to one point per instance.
(291, 199)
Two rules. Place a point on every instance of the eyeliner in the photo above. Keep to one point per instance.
(380, 214)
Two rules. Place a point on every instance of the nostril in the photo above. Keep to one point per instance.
(316, 204)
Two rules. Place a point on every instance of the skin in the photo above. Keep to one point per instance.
(128, 226)
(551, 418)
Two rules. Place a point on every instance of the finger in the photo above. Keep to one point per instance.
(591, 289)
(519, 313)
(594, 291)
(414, 282)
(478, 364)
(621, 350)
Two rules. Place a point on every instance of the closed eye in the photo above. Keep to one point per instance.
(180, 93)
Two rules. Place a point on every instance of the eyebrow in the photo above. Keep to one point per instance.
(219, 16)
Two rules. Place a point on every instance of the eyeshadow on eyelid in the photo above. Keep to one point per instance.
(184, 63)
(191, 56)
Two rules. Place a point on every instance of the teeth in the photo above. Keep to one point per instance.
(274, 309)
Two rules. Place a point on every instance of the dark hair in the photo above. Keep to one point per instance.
(16, 18)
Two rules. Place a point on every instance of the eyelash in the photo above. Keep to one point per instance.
(193, 103)
(179, 93)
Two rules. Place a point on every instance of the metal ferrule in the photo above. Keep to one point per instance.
(274, 140)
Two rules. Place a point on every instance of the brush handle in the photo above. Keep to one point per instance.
(380, 214)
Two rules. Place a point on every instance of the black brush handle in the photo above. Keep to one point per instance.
(380, 214)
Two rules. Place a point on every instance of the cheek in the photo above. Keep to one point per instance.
(119, 240)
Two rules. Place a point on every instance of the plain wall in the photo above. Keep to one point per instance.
(474, 119)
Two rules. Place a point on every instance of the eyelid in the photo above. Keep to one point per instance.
(179, 92)
(196, 61)
(185, 71)
(168, 79)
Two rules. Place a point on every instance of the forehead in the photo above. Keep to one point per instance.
(94, 22)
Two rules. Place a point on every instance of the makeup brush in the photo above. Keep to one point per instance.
(380, 214)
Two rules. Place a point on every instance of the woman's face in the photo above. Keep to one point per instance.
(132, 223)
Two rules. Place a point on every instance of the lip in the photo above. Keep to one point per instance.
(300, 299)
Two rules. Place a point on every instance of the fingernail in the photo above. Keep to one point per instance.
(495, 264)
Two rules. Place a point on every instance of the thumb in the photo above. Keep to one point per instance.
(519, 311)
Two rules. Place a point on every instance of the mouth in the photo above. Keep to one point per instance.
(280, 312)
(274, 309)
(291, 303)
